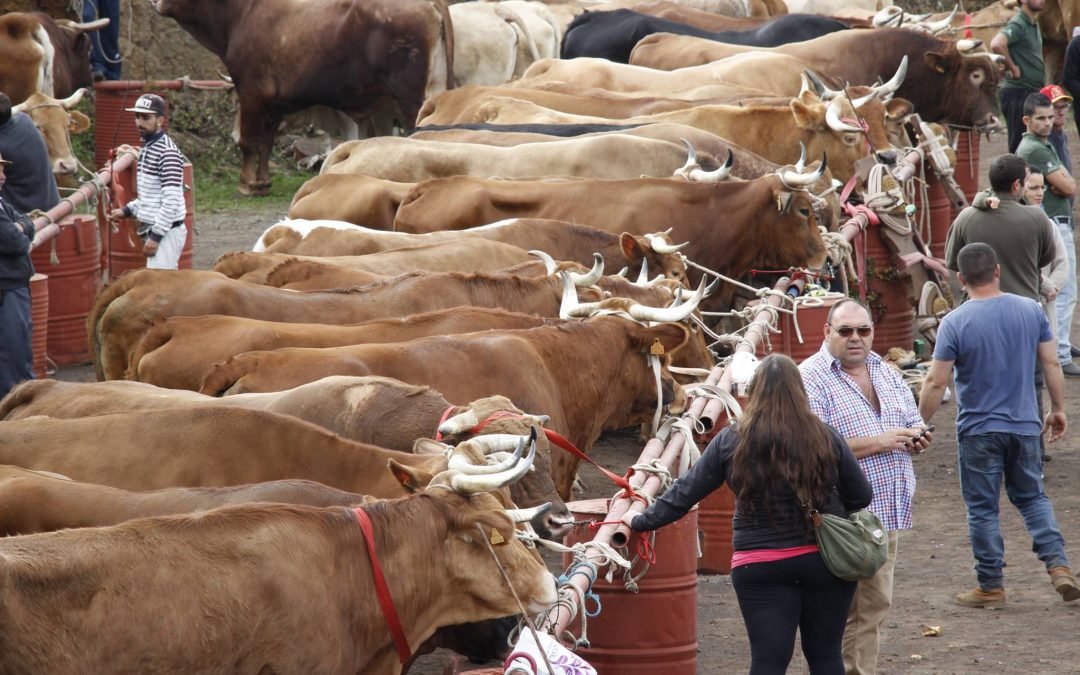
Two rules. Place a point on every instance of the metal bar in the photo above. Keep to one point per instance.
(47, 227)
(649, 483)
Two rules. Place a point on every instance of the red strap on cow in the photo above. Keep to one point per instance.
(855, 209)
(849, 186)
(556, 439)
(382, 591)
(967, 26)
(445, 416)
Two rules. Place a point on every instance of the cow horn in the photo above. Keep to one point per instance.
(669, 314)
(832, 118)
(643, 275)
(805, 86)
(916, 18)
(623, 272)
(73, 100)
(691, 156)
(968, 45)
(860, 102)
(497, 442)
(459, 424)
(18, 108)
(823, 92)
(467, 484)
(526, 515)
(699, 175)
(570, 308)
(800, 165)
(935, 27)
(462, 463)
(887, 16)
(593, 275)
(712, 287)
(794, 179)
(549, 262)
(662, 247)
(892, 85)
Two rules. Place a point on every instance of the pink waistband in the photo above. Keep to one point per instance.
(770, 554)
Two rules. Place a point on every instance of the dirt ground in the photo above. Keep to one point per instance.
(1035, 634)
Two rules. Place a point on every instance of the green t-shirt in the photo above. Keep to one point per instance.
(1025, 49)
(1040, 154)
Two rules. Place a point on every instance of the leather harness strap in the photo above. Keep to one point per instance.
(382, 591)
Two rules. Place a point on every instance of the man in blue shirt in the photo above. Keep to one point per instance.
(993, 340)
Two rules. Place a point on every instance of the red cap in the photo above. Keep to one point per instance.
(1055, 93)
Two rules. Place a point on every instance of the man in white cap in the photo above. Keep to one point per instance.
(160, 185)
(16, 233)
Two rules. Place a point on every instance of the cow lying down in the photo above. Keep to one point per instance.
(264, 588)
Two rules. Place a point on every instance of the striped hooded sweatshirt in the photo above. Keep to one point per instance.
(160, 184)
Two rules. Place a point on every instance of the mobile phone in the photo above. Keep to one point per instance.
(927, 430)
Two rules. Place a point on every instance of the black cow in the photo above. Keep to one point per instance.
(612, 35)
(352, 55)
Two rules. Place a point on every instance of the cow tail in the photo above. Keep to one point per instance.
(288, 271)
(101, 304)
(447, 35)
(510, 16)
(280, 235)
(159, 333)
(221, 377)
(23, 394)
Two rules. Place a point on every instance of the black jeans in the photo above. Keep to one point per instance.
(776, 598)
(1012, 108)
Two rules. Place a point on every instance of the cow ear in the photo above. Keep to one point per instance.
(670, 336)
(413, 480)
(899, 108)
(77, 122)
(938, 61)
(428, 446)
(806, 116)
(632, 248)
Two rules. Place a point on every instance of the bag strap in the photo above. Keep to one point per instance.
(812, 513)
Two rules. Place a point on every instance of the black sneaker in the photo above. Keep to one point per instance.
(1074, 350)
(1070, 369)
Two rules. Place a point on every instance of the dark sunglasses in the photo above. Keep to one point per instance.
(846, 331)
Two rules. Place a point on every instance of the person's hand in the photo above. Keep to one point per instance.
(115, 215)
(150, 248)
(898, 439)
(127, 148)
(628, 518)
(1055, 425)
(1014, 71)
(921, 442)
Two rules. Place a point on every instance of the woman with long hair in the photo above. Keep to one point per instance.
(777, 458)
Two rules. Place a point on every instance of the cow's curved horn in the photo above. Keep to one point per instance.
(466, 484)
(570, 308)
(935, 27)
(795, 179)
(832, 118)
(823, 92)
(893, 84)
(860, 102)
(669, 314)
(712, 287)
(691, 155)
(800, 165)
(643, 275)
(593, 275)
(526, 515)
(968, 45)
(73, 100)
(887, 16)
(623, 272)
(662, 247)
(699, 175)
(460, 462)
(18, 108)
(87, 27)
(549, 262)
(916, 18)
(459, 424)
(491, 443)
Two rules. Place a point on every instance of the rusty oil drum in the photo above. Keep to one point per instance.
(653, 631)
(124, 251)
(941, 215)
(39, 317)
(74, 282)
(811, 323)
(887, 296)
(967, 164)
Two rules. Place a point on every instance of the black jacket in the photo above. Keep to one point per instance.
(1070, 76)
(754, 527)
(15, 266)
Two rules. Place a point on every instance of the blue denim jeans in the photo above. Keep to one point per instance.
(985, 459)
(1066, 299)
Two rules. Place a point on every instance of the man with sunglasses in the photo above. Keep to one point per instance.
(866, 400)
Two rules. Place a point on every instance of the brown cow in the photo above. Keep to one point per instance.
(177, 352)
(56, 121)
(268, 600)
(766, 221)
(367, 201)
(588, 377)
(39, 54)
(33, 502)
(560, 239)
(353, 407)
(125, 309)
(286, 56)
(943, 84)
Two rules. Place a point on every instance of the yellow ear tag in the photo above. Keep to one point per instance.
(656, 349)
(496, 538)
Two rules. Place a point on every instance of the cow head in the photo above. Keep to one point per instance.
(965, 86)
(56, 121)
(845, 128)
(793, 226)
(657, 252)
(72, 45)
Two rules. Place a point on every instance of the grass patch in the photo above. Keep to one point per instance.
(215, 189)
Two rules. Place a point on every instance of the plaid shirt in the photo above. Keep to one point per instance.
(838, 401)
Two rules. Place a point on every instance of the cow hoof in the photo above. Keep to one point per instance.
(254, 189)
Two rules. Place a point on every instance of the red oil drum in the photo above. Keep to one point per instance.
(967, 164)
(39, 316)
(887, 296)
(653, 631)
(125, 248)
(714, 522)
(811, 322)
(941, 214)
(74, 282)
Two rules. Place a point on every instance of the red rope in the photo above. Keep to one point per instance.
(382, 591)
(445, 416)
